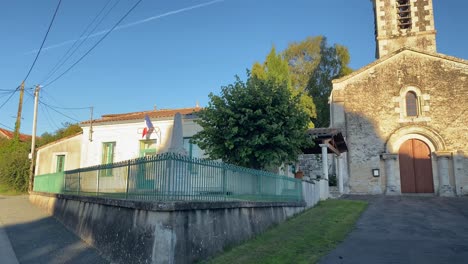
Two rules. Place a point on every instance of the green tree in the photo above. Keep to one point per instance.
(276, 69)
(257, 124)
(313, 65)
(14, 164)
(67, 130)
(14, 161)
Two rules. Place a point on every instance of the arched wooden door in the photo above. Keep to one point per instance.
(415, 167)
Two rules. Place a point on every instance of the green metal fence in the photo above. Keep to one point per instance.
(52, 182)
(173, 177)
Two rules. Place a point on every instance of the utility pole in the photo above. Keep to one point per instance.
(20, 109)
(33, 140)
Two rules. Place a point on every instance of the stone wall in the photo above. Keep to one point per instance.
(374, 111)
(311, 165)
(169, 232)
(390, 37)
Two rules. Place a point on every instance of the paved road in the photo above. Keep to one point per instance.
(407, 229)
(37, 238)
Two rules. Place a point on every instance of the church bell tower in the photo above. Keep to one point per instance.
(404, 23)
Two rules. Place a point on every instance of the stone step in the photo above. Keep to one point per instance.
(334, 192)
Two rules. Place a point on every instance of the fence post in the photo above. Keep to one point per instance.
(97, 177)
(128, 180)
(301, 196)
(169, 178)
(63, 182)
(79, 182)
(259, 182)
(224, 183)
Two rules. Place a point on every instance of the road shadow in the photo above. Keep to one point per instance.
(47, 241)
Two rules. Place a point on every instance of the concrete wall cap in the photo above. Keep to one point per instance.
(171, 205)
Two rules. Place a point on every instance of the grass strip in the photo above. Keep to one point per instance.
(304, 238)
(5, 190)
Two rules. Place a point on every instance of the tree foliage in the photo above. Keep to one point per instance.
(14, 164)
(276, 69)
(313, 65)
(67, 130)
(14, 157)
(257, 124)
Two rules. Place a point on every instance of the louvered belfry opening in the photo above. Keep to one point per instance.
(404, 14)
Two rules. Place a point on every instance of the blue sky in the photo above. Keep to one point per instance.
(189, 49)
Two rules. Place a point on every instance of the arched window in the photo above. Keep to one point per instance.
(411, 104)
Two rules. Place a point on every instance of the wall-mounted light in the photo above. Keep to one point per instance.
(375, 172)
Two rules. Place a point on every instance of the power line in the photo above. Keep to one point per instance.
(80, 39)
(66, 108)
(48, 116)
(9, 127)
(5, 94)
(58, 112)
(43, 41)
(9, 98)
(94, 46)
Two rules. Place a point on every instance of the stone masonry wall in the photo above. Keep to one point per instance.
(373, 106)
(390, 37)
(311, 165)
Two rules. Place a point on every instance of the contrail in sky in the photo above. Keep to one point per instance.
(132, 24)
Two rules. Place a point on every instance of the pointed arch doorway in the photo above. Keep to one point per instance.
(415, 167)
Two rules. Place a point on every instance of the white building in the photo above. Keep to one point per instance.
(119, 137)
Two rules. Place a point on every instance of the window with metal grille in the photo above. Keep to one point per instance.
(411, 104)
(404, 14)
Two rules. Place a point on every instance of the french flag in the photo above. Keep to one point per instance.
(149, 127)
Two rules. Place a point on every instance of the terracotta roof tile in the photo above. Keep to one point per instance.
(9, 135)
(141, 115)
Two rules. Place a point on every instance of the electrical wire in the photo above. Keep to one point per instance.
(9, 127)
(37, 55)
(80, 40)
(95, 45)
(43, 41)
(68, 108)
(9, 98)
(48, 117)
(44, 92)
(58, 112)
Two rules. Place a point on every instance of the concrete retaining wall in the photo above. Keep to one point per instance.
(314, 191)
(168, 232)
(138, 232)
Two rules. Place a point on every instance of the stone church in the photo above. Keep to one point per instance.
(404, 116)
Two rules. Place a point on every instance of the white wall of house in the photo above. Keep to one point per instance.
(46, 157)
(127, 136)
